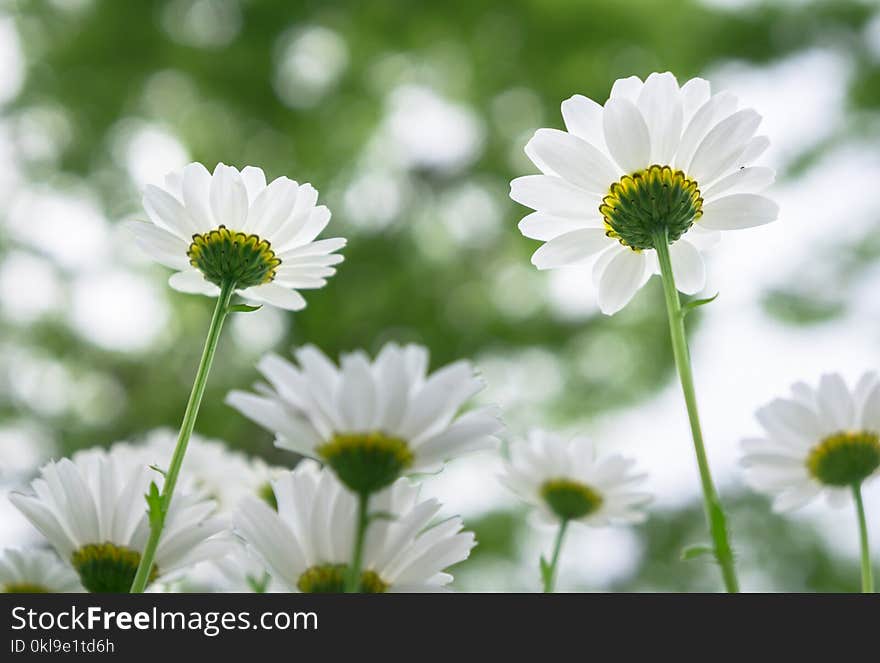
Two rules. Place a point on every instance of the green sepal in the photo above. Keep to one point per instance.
(154, 505)
(243, 308)
(687, 307)
(696, 550)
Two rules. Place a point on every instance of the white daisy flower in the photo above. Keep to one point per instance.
(35, 572)
(566, 481)
(370, 421)
(93, 512)
(307, 543)
(211, 468)
(657, 160)
(232, 228)
(822, 441)
(239, 571)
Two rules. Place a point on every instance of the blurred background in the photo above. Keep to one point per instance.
(410, 118)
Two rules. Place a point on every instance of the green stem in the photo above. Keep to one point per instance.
(186, 429)
(353, 578)
(714, 511)
(550, 577)
(867, 573)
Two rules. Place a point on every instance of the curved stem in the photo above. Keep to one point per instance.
(353, 578)
(867, 573)
(550, 576)
(186, 429)
(714, 511)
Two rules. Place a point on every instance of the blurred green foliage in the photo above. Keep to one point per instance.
(104, 62)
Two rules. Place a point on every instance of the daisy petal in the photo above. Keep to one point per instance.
(583, 118)
(688, 267)
(553, 195)
(570, 248)
(626, 135)
(571, 158)
(621, 280)
(740, 210)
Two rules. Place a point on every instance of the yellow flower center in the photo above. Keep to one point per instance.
(330, 579)
(649, 201)
(23, 588)
(845, 458)
(224, 255)
(570, 499)
(366, 462)
(107, 568)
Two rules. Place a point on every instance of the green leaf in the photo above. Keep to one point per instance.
(696, 303)
(243, 308)
(158, 469)
(154, 505)
(696, 550)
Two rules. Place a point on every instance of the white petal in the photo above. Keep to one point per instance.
(687, 267)
(835, 403)
(871, 409)
(621, 279)
(707, 116)
(168, 213)
(571, 248)
(545, 227)
(660, 105)
(192, 282)
(254, 181)
(626, 135)
(741, 210)
(159, 244)
(626, 88)
(553, 196)
(228, 196)
(196, 193)
(271, 208)
(583, 118)
(722, 146)
(744, 180)
(754, 149)
(275, 294)
(573, 159)
(694, 94)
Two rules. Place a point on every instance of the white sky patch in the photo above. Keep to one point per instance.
(425, 130)
(259, 331)
(148, 152)
(117, 310)
(309, 63)
(29, 287)
(67, 226)
(12, 70)
(798, 113)
(203, 23)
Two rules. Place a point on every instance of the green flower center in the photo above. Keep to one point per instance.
(107, 568)
(650, 201)
(845, 458)
(569, 499)
(330, 579)
(226, 255)
(366, 462)
(267, 494)
(24, 588)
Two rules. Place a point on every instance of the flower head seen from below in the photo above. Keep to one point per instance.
(35, 571)
(92, 511)
(657, 162)
(566, 481)
(307, 543)
(823, 440)
(232, 228)
(371, 421)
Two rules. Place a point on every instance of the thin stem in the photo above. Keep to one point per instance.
(186, 429)
(550, 576)
(714, 511)
(353, 579)
(867, 573)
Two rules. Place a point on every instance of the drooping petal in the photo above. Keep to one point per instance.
(688, 267)
(621, 280)
(570, 248)
(191, 281)
(275, 294)
(740, 210)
